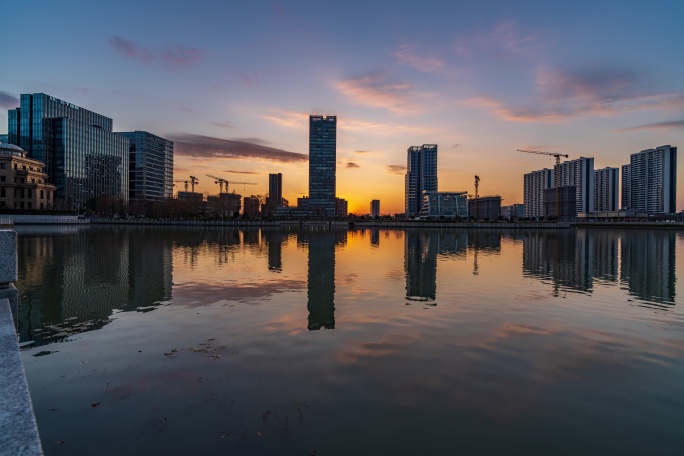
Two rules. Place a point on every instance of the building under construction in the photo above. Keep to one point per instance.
(567, 202)
(485, 207)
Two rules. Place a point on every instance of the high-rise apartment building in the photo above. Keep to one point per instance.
(275, 191)
(580, 174)
(421, 176)
(322, 165)
(150, 166)
(83, 157)
(375, 208)
(653, 181)
(626, 187)
(606, 189)
(533, 192)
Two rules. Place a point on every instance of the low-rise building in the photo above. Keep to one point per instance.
(23, 181)
(444, 204)
(485, 207)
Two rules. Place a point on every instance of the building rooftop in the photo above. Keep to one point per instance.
(11, 149)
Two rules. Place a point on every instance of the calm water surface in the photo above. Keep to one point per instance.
(211, 341)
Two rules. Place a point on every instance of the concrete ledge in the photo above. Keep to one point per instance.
(18, 430)
(8, 257)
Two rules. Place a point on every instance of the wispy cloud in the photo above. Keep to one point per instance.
(235, 171)
(352, 165)
(225, 124)
(378, 91)
(658, 125)
(248, 79)
(362, 151)
(407, 55)
(396, 169)
(171, 58)
(456, 146)
(504, 40)
(289, 119)
(8, 101)
(294, 119)
(563, 94)
(199, 146)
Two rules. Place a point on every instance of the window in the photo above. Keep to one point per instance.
(3, 165)
(2, 178)
(2, 192)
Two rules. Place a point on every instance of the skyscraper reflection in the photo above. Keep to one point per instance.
(275, 250)
(321, 275)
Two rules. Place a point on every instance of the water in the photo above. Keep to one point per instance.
(212, 341)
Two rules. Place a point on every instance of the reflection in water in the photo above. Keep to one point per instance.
(275, 251)
(375, 237)
(321, 275)
(573, 259)
(648, 265)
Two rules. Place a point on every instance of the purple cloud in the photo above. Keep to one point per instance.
(172, 58)
(180, 56)
(658, 125)
(563, 94)
(376, 90)
(8, 101)
(199, 146)
(225, 124)
(249, 79)
(352, 165)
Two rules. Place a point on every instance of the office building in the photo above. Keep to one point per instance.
(653, 181)
(421, 176)
(322, 165)
(150, 166)
(606, 189)
(579, 173)
(445, 205)
(485, 207)
(375, 208)
(23, 181)
(4, 139)
(83, 157)
(533, 194)
(514, 210)
(275, 192)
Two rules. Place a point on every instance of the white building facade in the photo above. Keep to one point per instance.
(652, 185)
(606, 189)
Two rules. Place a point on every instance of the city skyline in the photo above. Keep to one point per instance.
(232, 86)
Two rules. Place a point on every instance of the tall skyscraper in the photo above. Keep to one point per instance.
(421, 175)
(275, 191)
(84, 159)
(322, 165)
(580, 174)
(150, 166)
(606, 189)
(533, 191)
(653, 181)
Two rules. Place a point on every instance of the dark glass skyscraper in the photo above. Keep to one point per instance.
(83, 157)
(421, 175)
(275, 191)
(322, 165)
(151, 166)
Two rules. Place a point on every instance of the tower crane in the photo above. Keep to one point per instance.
(221, 181)
(477, 196)
(556, 173)
(193, 181)
(184, 181)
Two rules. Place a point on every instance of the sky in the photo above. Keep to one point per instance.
(233, 83)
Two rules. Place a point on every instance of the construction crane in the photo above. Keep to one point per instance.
(184, 181)
(556, 173)
(477, 196)
(193, 181)
(221, 181)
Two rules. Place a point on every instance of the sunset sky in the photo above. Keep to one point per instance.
(233, 83)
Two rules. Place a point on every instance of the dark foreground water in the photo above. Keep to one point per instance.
(212, 341)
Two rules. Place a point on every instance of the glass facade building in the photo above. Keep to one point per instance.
(322, 165)
(421, 176)
(150, 166)
(84, 159)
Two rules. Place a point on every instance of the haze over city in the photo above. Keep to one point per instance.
(233, 84)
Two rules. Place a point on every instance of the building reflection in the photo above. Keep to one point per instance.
(644, 261)
(275, 251)
(648, 265)
(321, 274)
(72, 280)
(420, 259)
(558, 256)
